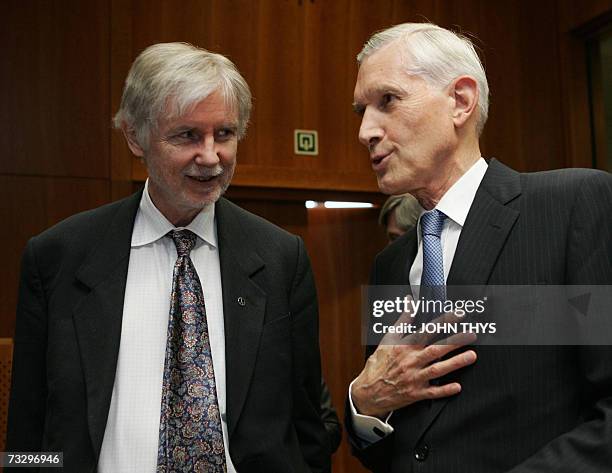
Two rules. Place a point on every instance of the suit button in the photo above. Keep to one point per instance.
(421, 452)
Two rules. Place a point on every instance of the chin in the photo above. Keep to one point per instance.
(389, 188)
(209, 197)
(204, 201)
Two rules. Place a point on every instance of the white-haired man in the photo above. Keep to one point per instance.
(171, 331)
(423, 97)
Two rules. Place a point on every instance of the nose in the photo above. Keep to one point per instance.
(206, 152)
(370, 131)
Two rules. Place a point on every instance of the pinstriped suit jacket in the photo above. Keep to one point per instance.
(521, 409)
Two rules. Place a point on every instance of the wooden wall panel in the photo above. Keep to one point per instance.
(279, 79)
(55, 110)
(29, 205)
(575, 14)
(541, 110)
(577, 21)
(121, 53)
(300, 60)
(363, 18)
(504, 135)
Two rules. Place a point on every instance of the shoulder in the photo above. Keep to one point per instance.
(252, 228)
(85, 229)
(567, 179)
(569, 187)
(561, 186)
(250, 238)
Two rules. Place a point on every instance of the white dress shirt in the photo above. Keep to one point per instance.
(132, 429)
(455, 204)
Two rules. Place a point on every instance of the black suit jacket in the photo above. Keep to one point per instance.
(521, 409)
(69, 324)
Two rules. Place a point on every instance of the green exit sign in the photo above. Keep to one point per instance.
(306, 142)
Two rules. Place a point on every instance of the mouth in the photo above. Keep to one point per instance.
(378, 160)
(203, 178)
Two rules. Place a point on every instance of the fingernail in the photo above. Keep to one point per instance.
(469, 356)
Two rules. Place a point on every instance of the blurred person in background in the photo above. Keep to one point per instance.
(398, 215)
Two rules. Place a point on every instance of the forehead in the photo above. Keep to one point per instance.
(213, 108)
(385, 69)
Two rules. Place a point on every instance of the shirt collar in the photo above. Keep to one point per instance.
(456, 202)
(151, 224)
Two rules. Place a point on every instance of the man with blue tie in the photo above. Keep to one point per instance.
(422, 94)
(171, 331)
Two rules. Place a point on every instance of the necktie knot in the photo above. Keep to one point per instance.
(432, 223)
(184, 240)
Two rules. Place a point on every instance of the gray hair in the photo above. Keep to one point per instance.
(438, 55)
(407, 211)
(167, 79)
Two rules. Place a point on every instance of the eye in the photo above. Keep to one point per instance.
(187, 135)
(359, 109)
(386, 100)
(225, 134)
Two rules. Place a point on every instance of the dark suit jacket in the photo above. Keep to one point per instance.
(521, 409)
(69, 324)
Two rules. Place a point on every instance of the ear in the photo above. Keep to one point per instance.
(130, 136)
(464, 91)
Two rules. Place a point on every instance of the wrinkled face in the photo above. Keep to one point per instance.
(406, 123)
(191, 159)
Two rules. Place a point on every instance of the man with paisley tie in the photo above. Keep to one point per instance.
(171, 331)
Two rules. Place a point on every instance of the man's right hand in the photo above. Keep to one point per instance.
(399, 373)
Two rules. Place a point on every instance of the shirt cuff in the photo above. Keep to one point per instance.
(367, 428)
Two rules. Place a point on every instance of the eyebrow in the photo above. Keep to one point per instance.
(380, 90)
(190, 126)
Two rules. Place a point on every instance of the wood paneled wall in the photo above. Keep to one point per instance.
(65, 63)
(54, 122)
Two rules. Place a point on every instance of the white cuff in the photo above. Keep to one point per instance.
(369, 429)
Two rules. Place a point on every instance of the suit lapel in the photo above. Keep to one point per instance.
(486, 228)
(483, 236)
(97, 317)
(244, 304)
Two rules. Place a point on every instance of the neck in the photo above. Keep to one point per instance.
(454, 167)
(176, 216)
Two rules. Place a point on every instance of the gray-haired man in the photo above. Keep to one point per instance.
(423, 97)
(172, 330)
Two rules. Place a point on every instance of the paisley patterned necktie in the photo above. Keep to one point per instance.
(190, 434)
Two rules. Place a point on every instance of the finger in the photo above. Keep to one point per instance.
(459, 339)
(392, 338)
(447, 317)
(438, 392)
(444, 367)
(427, 338)
(438, 350)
